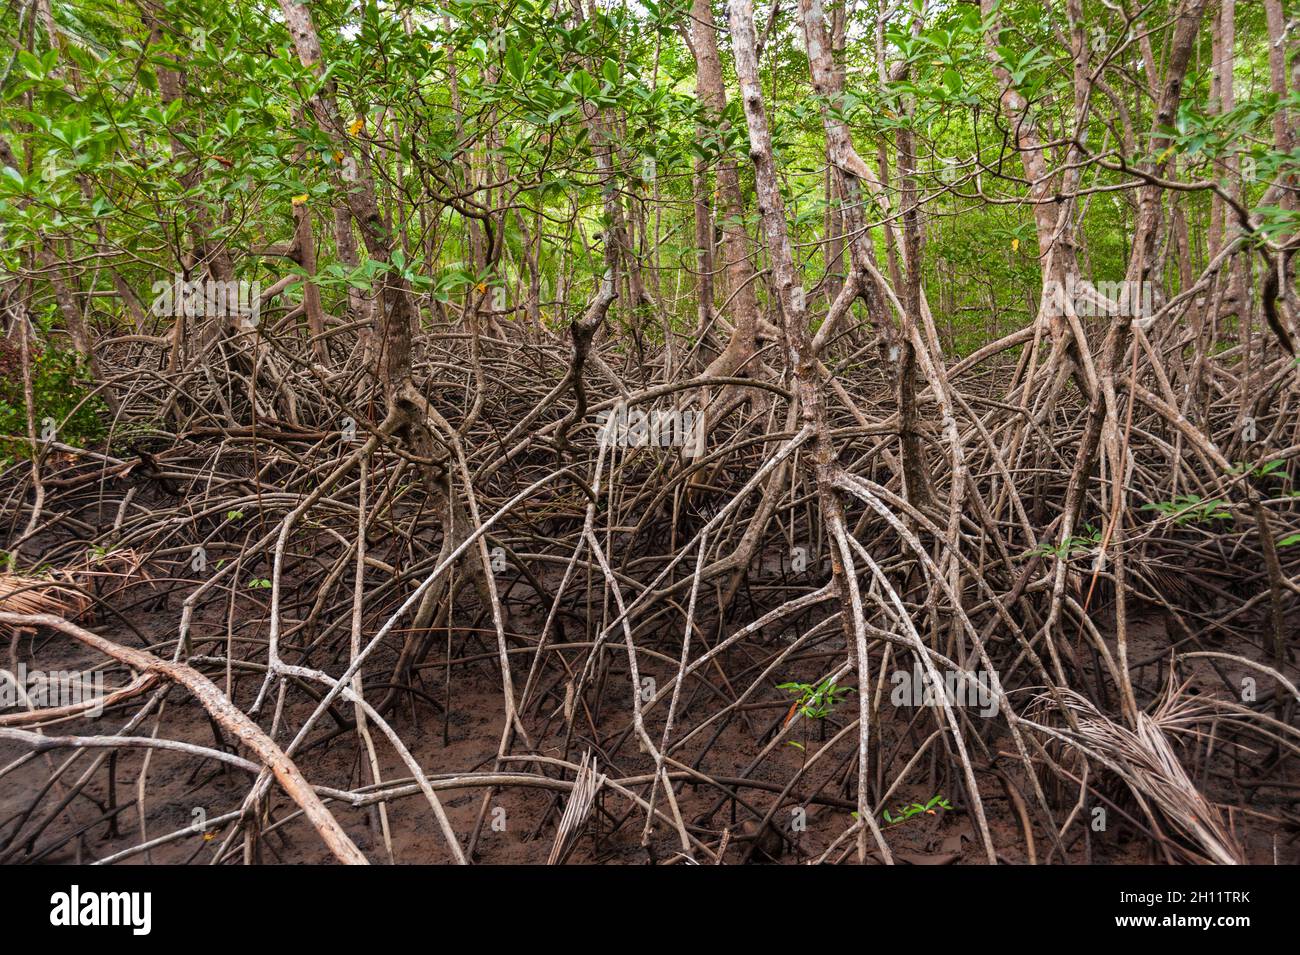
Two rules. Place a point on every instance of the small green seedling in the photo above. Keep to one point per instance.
(915, 809)
(259, 583)
(1075, 546)
(816, 702)
(1263, 470)
(1191, 507)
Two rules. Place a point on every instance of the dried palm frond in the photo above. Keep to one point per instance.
(582, 800)
(1147, 761)
(20, 594)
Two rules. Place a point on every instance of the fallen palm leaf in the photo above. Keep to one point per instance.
(1145, 758)
(582, 800)
(21, 594)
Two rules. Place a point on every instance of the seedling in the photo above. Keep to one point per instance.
(915, 809)
(1075, 546)
(1263, 470)
(815, 702)
(1191, 507)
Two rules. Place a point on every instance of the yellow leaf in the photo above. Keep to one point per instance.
(357, 126)
(300, 200)
(1015, 245)
(1165, 155)
(481, 287)
(338, 156)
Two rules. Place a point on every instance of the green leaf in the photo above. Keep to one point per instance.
(31, 64)
(515, 64)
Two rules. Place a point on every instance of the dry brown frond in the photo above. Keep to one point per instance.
(582, 800)
(1147, 761)
(20, 594)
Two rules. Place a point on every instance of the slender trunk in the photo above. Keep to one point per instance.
(735, 241)
(396, 303)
